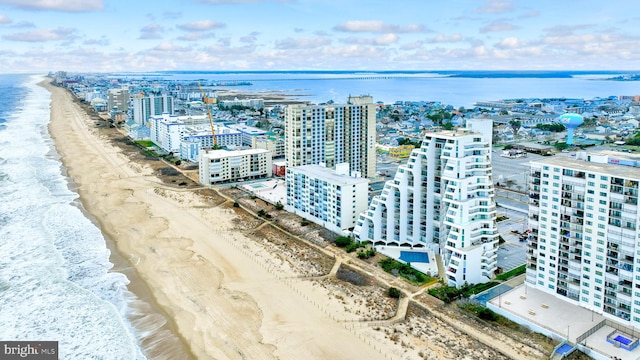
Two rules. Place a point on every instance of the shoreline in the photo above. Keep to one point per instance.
(144, 307)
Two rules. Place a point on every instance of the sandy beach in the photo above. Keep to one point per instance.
(234, 287)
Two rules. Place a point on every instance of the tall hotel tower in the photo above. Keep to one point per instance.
(442, 201)
(333, 134)
(584, 241)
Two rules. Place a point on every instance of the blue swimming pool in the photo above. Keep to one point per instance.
(623, 340)
(414, 257)
(564, 349)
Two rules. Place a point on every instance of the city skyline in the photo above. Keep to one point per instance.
(101, 36)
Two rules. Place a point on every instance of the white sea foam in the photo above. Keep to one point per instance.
(55, 282)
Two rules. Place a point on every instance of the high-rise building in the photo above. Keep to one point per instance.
(146, 106)
(118, 99)
(332, 134)
(584, 238)
(329, 198)
(442, 201)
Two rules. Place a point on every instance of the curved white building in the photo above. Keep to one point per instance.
(442, 201)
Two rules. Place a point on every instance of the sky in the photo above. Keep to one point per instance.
(155, 35)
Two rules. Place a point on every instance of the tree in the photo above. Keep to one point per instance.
(560, 146)
(394, 293)
(343, 241)
(447, 126)
(515, 125)
(279, 205)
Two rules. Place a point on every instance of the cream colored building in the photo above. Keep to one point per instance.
(227, 166)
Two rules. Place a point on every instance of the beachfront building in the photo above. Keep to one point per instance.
(441, 201)
(330, 198)
(226, 166)
(179, 134)
(332, 134)
(584, 238)
(146, 106)
(118, 99)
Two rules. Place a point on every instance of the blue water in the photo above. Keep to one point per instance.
(457, 88)
(55, 283)
(414, 257)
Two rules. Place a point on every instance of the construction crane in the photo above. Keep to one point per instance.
(205, 99)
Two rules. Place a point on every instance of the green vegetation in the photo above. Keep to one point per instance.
(561, 146)
(515, 125)
(512, 273)
(439, 115)
(481, 312)
(448, 125)
(278, 205)
(367, 254)
(407, 141)
(634, 140)
(343, 241)
(394, 293)
(451, 293)
(304, 222)
(235, 204)
(145, 143)
(551, 127)
(405, 270)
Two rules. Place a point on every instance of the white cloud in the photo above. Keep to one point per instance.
(498, 26)
(447, 38)
(41, 35)
(301, 43)
(203, 25)
(377, 26)
(151, 32)
(195, 36)
(56, 5)
(4, 19)
(496, 7)
(510, 42)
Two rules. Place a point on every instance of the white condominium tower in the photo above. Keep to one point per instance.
(584, 241)
(332, 134)
(442, 200)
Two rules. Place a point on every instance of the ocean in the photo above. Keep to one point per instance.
(55, 278)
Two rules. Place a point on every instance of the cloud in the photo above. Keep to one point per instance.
(510, 42)
(41, 35)
(446, 38)
(496, 7)
(22, 25)
(101, 42)
(195, 36)
(530, 14)
(564, 30)
(167, 46)
(302, 43)
(218, 2)
(498, 26)
(4, 19)
(385, 39)
(151, 31)
(377, 26)
(56, 5)
(203, 25)
(250, 39)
